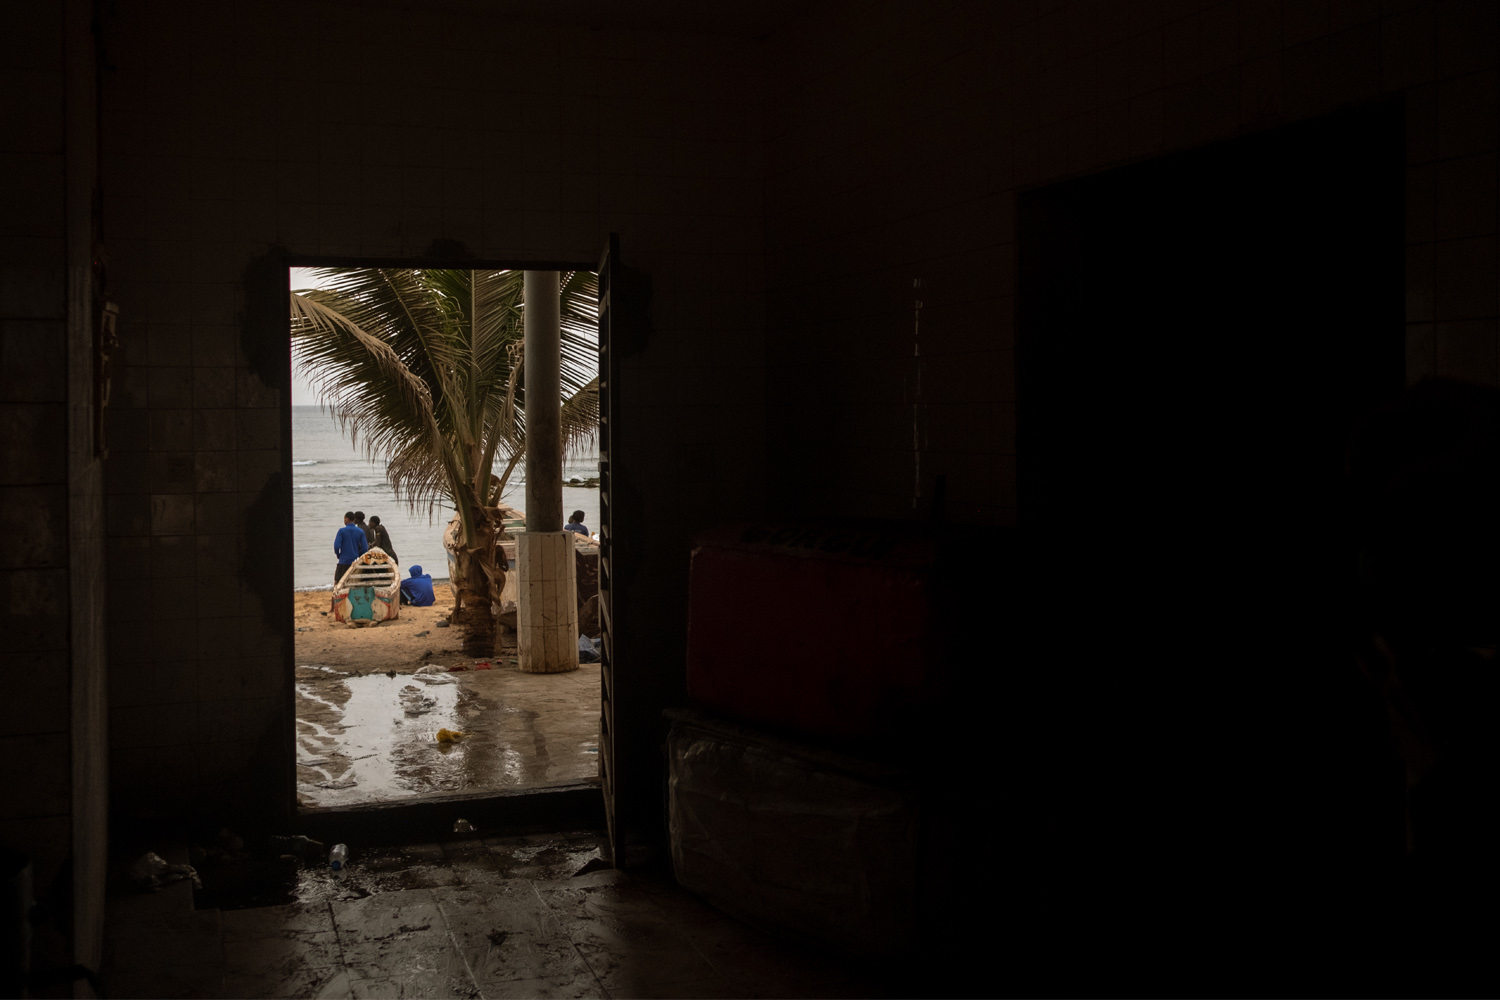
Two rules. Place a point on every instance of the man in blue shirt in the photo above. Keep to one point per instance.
(349, 544)
(417, 591)
(575, 524)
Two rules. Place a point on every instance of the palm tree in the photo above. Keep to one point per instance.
(426, 367)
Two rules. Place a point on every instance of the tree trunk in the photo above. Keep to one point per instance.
(480, 581)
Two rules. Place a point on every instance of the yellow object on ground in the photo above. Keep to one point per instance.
(449, 736)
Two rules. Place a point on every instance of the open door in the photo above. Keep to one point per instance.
(607, 769)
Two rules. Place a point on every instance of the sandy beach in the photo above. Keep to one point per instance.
(401, 645)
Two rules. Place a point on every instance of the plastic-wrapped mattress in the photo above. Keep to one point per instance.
(793, 838)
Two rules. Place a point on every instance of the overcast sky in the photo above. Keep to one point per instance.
(303, 394)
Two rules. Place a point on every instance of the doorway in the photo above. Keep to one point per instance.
(1198, 336)
(393, 708)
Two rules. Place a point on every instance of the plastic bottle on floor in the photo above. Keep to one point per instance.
(338, 856)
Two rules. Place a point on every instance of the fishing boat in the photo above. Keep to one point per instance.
(513, 520)
(370, 589)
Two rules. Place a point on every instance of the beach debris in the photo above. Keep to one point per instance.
(587, 651)
(432, 673)
(304, 628)
(423, 632)
(463, 826)
(449, 736)
(441, 623)
(457, 670)
(414, 702)
(151, 871)
(323, 613)
(391, 674)
(588, 616)
(482, 665)
(340, 783)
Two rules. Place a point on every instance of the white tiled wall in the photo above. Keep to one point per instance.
(346, 129)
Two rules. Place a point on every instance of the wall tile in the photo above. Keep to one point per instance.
(170, 387)
(1468, 351)
(33, 361)
(215, 471)
(1464, 196)
(34, 522)
(38, 776)
(171, 472)
(33, 610)
(171, 430)
(1408, 55)
(1466, 278)
(172, 513)
(44, 425)
(33, 292)
(1468, 115)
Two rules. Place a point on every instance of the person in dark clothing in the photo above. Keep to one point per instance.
(575, 524)
(417, 590)
(349, 544)
(382, 538)
(359, 519)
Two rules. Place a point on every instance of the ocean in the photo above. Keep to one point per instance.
(331, 476)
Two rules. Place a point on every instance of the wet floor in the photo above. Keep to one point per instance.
(375, 737)
(468, 917)
(263, 879)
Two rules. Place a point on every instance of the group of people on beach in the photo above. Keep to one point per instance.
(356, 538)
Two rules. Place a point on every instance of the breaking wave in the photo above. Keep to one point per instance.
(333, 486)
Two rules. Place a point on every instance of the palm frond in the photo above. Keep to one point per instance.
(361, 378)
(458, 335)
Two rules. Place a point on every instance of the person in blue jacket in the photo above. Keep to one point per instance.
(417, 591)
(349, 544)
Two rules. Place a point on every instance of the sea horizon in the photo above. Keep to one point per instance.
(330, 475)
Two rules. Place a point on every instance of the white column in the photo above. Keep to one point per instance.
(547, 606)
(547, 612)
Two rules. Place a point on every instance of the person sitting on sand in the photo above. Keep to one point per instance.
(575, 524)
(417, 590)
(383, 538)
(349, 544)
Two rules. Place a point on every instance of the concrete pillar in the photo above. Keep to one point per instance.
(547, 612)
(547, 606)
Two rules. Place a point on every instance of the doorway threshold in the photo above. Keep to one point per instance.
(577, 805)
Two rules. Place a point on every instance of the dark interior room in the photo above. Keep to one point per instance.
(1049, 479)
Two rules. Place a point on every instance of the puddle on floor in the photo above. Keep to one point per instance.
(373, 737)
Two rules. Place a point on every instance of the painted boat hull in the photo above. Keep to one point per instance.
(370, 591)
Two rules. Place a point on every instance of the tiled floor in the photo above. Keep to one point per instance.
(475, 918)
